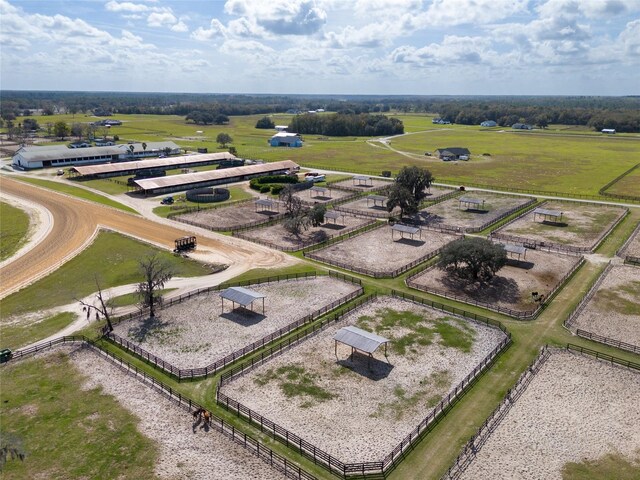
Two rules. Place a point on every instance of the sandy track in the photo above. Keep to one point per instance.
(75, 222)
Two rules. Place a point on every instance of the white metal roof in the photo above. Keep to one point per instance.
(361, 177)
(152, 163)
(333, 214)
(213, 175)
(266, 202)
(399, 227)
(514, 248)
(475, 201)
(551, 213)
(55, 153)
(319, 189)
(359, 339)
(241, 295)
(378, 198)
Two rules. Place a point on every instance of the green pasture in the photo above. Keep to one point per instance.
(18, 335)
(112, 257)
(76, 192)
(66, 431)
(14, 228)
(627, 185)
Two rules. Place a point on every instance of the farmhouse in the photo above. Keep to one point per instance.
(521, 126)
(489, 123)
(453, 153)
(282, 128)
(609, 131)
(285, 139)
(60, 155)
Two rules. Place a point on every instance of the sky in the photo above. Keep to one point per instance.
(372, 47)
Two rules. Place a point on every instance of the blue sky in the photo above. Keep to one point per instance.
(426, 47)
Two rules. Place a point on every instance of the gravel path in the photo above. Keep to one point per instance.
(374, 407)
(376, 251)
(576, 408)
(193, 333)
(185, 452)
(607, 312)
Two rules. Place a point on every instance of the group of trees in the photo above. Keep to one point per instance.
(265, 123)
(300, 217)
(346, 124)
(206, 117)
(410, 187)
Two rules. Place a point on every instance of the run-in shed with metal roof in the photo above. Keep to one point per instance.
(377, 200)
(359, 339)
(362, 181)
(242, 296)
(469, 202)
(514, 250)
(555, 215)
(316, 191)
(267, 205)
(334, 215)
(405, 229)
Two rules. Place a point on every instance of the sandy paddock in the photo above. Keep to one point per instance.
(610, 312)
(582, 225)
(367, 207)
(309, 196)
(365, 419)
(278, 235)
(451, 213)
(633, 249)
(185, 452)
(230, 217)
(376, 183)
(511, 288)
(377, 252)
(576, 408)
(193, 333)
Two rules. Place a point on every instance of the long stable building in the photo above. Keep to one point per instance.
(130, 168)
(176, 183)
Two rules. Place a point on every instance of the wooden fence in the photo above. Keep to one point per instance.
(277, 461)
(603, 190)
(317, 455)
(213, 368)
(609, 341)
(587, 296)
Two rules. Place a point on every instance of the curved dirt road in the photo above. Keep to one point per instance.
(75, 222)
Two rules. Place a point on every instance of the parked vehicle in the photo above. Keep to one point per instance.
(5, 355)
(167, 201)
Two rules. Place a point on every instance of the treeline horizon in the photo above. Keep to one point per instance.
(621, 113)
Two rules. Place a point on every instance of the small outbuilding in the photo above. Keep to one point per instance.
(359, 339)
(241, 296)
(469, 202)
(609, 131)
(267, 205)
(285, 139)
(362, 181)
(489, 123)
(334, 215)
(405, 230)
(546, 214)
(453, 153)
(377, 200)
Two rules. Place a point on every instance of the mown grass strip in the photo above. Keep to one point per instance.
(14, 228)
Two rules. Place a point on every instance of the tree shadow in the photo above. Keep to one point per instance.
(497, 289)
(243, 317)
(476, 210)
(427, 218)
(146, 327)
(371, 368)
(322, 198)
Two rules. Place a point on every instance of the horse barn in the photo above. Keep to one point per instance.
(176, 183)
(31, 157)
(131, 168)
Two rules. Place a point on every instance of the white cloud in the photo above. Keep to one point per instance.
(595, 9)
(180, 27)
(161, 19)
(280, 17)
(113, 6)
(630, 40)
(216, 30)
(453, 50)
(445, 13)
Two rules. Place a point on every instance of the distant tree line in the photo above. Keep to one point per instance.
(346, 124)
(621, 113)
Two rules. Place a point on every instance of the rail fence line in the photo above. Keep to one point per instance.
(213, 368)
(301, 245)
(587, 296)
(603, 190)
(277, 461)
(492, 422)
(526, 207)
(517, 314)
(608, 340)
(625, 246)
(323, 458)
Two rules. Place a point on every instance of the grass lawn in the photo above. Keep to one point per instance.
(14, 226)
(112, 257)
(68, 432)
(627, 185)
(76, 192)
(17, 336)
(182, 204)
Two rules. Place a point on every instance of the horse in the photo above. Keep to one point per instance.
(202, 414)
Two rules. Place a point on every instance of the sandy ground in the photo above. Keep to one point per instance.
(375, 183)
(376, 251)
(75, 222)
(232, 216)
(452, 214)
(606, 314)
(633, 249)
(510, 289)
(193, 333)
(40, 224)
(368, 207)
(185, 452)
(582, 225)
(576, 408)
(366, 418)
(333, 194)
(278, 235)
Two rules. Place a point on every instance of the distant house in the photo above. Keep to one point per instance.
(453, 153)
(101, 142)
(440, 121)
(488, 123)
(282, 128)
(285, 139)
(609, 131)
(521, 126)
(107, 123)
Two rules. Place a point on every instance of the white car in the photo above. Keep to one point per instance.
(315, 178)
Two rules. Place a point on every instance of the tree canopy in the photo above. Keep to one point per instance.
(473, 258)
(224, 138)
(155, 274)
(399, 196)
(266, 123)
(416, 180)
(346, 124)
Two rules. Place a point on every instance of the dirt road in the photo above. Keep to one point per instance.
(76, 222)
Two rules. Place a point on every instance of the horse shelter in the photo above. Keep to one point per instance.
(242, 296)
(359, 339)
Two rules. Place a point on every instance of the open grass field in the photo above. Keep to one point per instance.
(558, 159)
(75, 192)
(14, 228)
(68, 431)
(75, 279)
(627, 185)
(22, 333)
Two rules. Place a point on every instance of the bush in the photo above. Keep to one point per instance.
(276, 189)
(265, 189)
(265, 122)
(386, 173)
